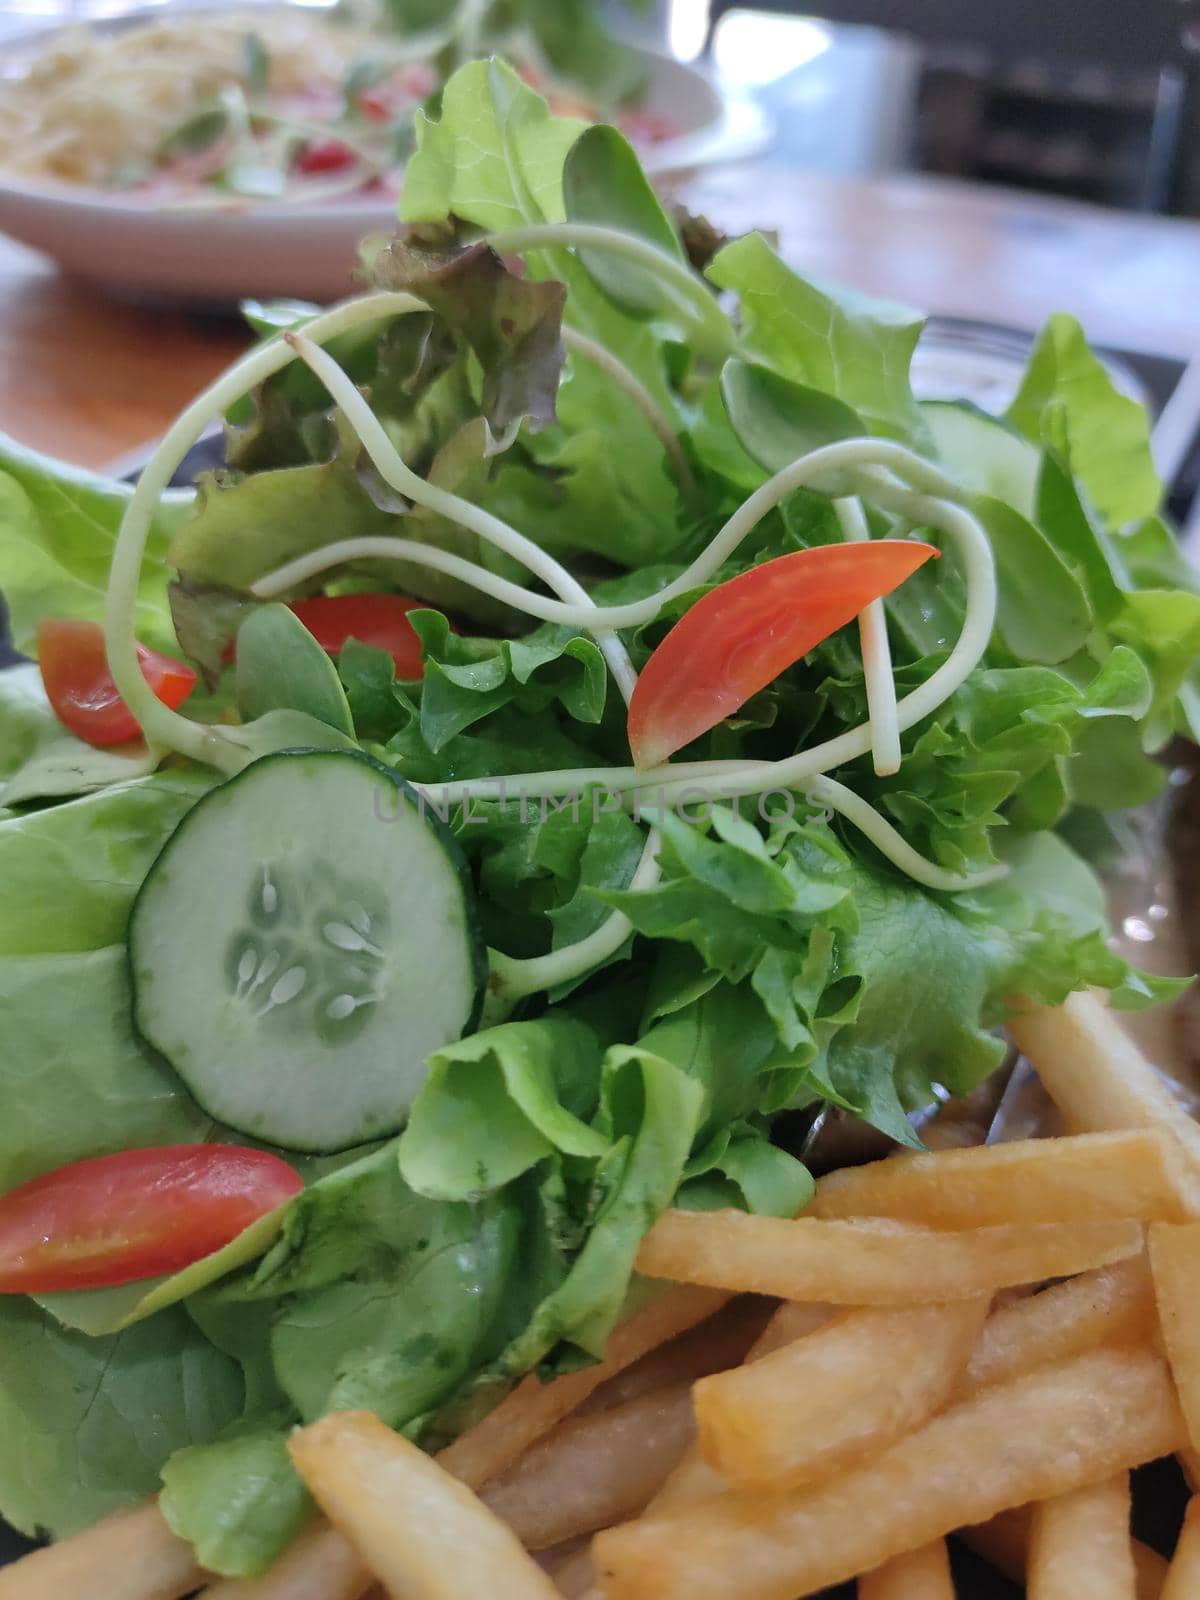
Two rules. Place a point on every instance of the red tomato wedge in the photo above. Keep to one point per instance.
(377, 619)
(80, 687)
(117, 1219)
(744, 633)
(325, 155)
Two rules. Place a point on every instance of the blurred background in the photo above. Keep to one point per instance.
(1092, 99)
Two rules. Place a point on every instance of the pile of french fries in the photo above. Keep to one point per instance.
(977, 1342)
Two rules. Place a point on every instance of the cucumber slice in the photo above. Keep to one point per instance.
(984, 453)
(302, 943)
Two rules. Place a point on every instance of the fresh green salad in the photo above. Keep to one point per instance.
(597, 719)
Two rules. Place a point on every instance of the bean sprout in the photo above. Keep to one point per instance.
(877, 658)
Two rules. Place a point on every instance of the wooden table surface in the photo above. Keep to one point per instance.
(89, 379)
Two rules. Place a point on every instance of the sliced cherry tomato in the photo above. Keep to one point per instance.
(324, 155)
(377, 619)
(744, 633)
(117, 1219)
(80, 686)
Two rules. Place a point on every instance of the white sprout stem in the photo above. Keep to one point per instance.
(400, 476)
(726, 780)
(848, 455)
(161, 725)
(723, 780)
(680, 284)
(876, 655)
(513, 980)
(892, 844)
(600, 356)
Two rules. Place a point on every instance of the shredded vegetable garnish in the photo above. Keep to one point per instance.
(864, 459)
(877, 658)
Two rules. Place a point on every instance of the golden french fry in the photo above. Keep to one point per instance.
(1189, 1463)
(693, 1478)
(711, 1346)
(576, 1576)
(1109, 1306)
(1080, 1545)
(1183, 1575)
(533, 1407)
(1047, 1433)
(319, 1565)
(819, 1404)
(422, 1532)
(593, 1470)
(1095, 1073)
(1175, 1263)
(792, 1320)
(131, 1555)
(1134, 1173)
(1004, 1543)
(922, 1574)
(872, 1262)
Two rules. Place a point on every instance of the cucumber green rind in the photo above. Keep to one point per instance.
(303, 942)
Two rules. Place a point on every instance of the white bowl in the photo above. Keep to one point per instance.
(213, 255)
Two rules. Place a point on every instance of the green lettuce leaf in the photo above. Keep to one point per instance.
(237, 1533)
(466, 679)
(71, 871)
(494, 155)
(852, 348)
(59, 526)
(90, 1422)
(1068, 401)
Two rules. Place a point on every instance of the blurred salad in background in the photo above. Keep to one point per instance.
(284, 103)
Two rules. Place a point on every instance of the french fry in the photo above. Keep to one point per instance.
(1175, 1263)
(533, 1407)
(922, 1574)
(872, 1262)
(792, 1320)
(711, 1346)
(819, 1404)
(1189, 1464)
(130, 1555)
(1004, 1543)
(1134, 1173)
(1080, 1545)
(319, 1565)
(576, 1576)
(1113, 1305)
(693, 1479)
(1047, 1433)
(1095, 1073)
(593, 1470)
(422, 1532)
(1183, 1575)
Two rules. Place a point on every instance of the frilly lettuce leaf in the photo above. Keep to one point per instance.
(851, 347)
(493, 156)
(511, 324)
